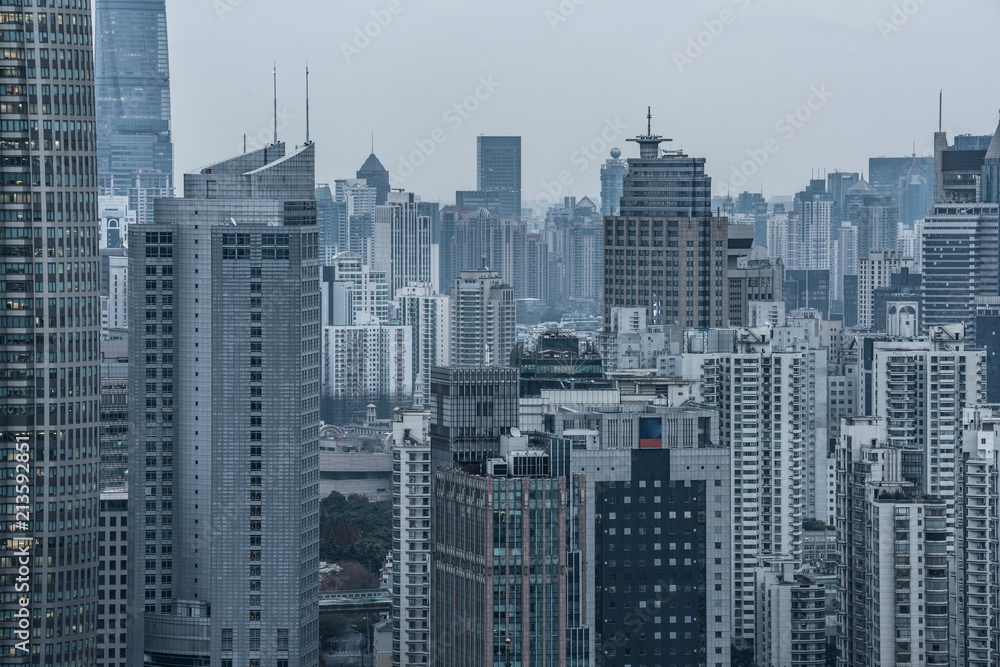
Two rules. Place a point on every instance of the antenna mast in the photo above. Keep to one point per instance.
(275, 73)
(307, 101)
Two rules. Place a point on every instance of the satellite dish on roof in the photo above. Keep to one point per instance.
(515, 432)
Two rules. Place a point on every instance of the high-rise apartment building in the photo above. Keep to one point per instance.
(893, 606)
(875, 271)
(411, 538)
(813, 226)
(791, 616)
(409, 242)
(114, 414)
(471, 407)
(135, 154)
(483, 319)
(761, 397)
(753, 280)
(484, 239)
(959, 260)
(225, 390)
(664, 251)
(353, 293)
(368, 361)
(613, 173)
(50, 333)
(429, 317)
(920, 388)
(979, 540)
(498, 168)
(536, 268)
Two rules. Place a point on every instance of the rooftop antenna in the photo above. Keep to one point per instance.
(244, 142)
(307, 102)
(940, 107)
(274, 72)
(649, 121)
(373, 142)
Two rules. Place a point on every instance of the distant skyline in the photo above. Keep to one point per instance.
(721, 77)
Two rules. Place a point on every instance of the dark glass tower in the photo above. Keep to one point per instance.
(49, 334)
(376, 176)
(498, 164)
(133, 101)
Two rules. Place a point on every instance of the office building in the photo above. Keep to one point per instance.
(116, 216)
(665, 252)
(753, 280)
(807, 289)
(114, 445)
(958, 169)
(876, 271)
(368, 362)
(480, 199)
(557, 362)
(51, 331)
(838, 184)
(988, 338)
(959, 262)
(791, 616)
(483, 319)
(915, 194)
(135, 154)
(228, 318)
(485, 612)
(613, 173)
(375, 176)
(411, 538)
(498, 168)
(990, 185)
(893, 556)
(898, 305)
(112, 580)
(878, 224)
(328, 219)
(471, 407)
(429, 317)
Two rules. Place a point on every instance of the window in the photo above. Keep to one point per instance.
(227, 639)
(282, 640)
(254, 639)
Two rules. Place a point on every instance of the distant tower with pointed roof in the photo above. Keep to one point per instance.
(990, 191)
(376, 176)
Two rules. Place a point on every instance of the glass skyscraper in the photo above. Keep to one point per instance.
(49, 326)
(133, 102)
(498, 168)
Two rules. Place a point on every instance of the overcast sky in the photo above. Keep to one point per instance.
(720, 75)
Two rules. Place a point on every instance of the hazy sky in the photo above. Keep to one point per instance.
(720, 75)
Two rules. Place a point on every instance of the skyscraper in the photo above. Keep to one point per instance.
(132, 80)
(876, 271)
(613, 173)
(664, 251)
(878, 225)
(227, 314)
(959, 258)
(498, 167)
(409, 246)
(50, 333)
(470, 409)
(376, 176)
(483, 319)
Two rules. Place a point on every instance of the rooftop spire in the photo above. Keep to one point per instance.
(274, 72)
(307, 101)
(940, 108)
(649, 143)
